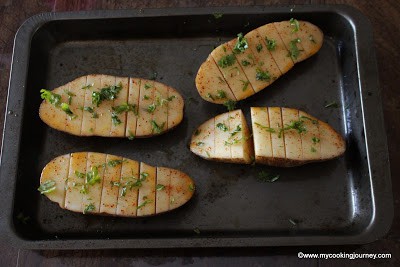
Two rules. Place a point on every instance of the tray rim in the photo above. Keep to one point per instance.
(380, 188)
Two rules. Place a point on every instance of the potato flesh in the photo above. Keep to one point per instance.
(222, 136)
(233, 74)
(75, 184)
(278, 143)
(261, 135)
(236, 75)
(212, 83)
(93, 196)
(57, 171)
(203, 140)
(127, 195)
(135, 201)
(310, 139)
(279, 52)
(89, 120)
(109, 195)
(289, 35)
(263, 62)
(241, 148)
(332, 144)
(292, 137)
(118, 129)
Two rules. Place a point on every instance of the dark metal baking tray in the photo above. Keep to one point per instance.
(342, 201)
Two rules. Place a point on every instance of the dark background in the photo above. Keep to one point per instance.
(385, 18)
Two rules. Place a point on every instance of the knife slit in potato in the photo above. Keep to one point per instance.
(283, 137)
(109, 106)
(278, 46)
(107, 184)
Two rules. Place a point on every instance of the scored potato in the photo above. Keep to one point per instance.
(283, 137)
(301, 137)
(110, 106)
(248, 64)
(224, 138)
(99, 183)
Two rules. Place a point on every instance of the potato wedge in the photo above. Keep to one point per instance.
(224, 138)
(99, 183)
(110, 106)
(283, 137)
(256, 60)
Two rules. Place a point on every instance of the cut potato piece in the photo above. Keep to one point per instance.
(224, 138)
(203, 140)
(211, 83)
(283, 137)
(102, 183)
(54, 178)
(261, 134)
(109, 195)
(128, 189)
(76, 182)
(240, 139)
(261, 69)
(287, 31)
(95, 165)
(311, 37)
(275, 47)
(163, 189)
(232, 72)
(110, 106)
(293, 149)
(310, 139)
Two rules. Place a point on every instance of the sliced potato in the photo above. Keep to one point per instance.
(110, 106)
(283, 137)
(275, 47)
(224, 138)
(261, 134)
(232, 71)
(211, 83)
(138, 191)
(203, 140)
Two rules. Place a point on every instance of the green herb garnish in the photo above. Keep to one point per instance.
(93, 176)
(125, 108)
(311, 38)
(218, 15)
(115, 120)
(196, 230)
(88, 86)
(315, 140)
(268, 129)
(295, 24)
(200, 144)
(313, 149)
(131, 135)
(70, 95)
(227, 61)
(146, 97)
(151, 108)
(333, 104)
(293, 49)
(210, 96)
(157, 128)
(237, 130)
(221, 94)
(160, 187)
(144, 203)
(88, 109)
(106, 93)
(115, 162)
(66, 109)
(271, 44)
(307, 118)
(147, 86)
(241, 44)
(230, 104)
(293, 222)
(153, 76)
(262, 75)
(197, 132)
(222, 127)
(80, 174)
(89, 208)
(47, 187)
(259, 47)
(245, 85)
(191, 187)
(295, 125)
(264, 176)
(245, 63)
(50, 97)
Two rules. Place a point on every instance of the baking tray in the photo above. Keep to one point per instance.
(342, 201)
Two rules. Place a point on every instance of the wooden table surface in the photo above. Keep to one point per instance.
(385, 18)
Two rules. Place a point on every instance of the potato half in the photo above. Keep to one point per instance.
(244, 66)
(283, 137)
(110, 106)
(99, 183)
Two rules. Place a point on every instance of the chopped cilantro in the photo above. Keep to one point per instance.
(262, 75)
(200, 144)
(264, 176)
(295, 125)
(222, 127)
(125, 108)
(237, 130)
(230, 104)
(268, 129)
(315, 140)
(241, 44)
(218, 15)
(271, 44)
(115, 120)
(157, 128)
(221, 94)
(115, 162)
(197, 132)
(66, 109)
(160, 187)
(80, 174)
(293, 49)
(311, 38)
(144, 203)
(47, 187)
(295, 24)
(88, 109)
(131, 135)
(93, 176)
(151, 108)
(245, 85)
(88, 86)
(106, 93)
(333, 104)
(50, 97)
(245, 63)
(89, 208)
(259, 47)
(227, 61)
(147, 86)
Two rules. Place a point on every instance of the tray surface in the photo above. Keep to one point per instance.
(347, 200)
